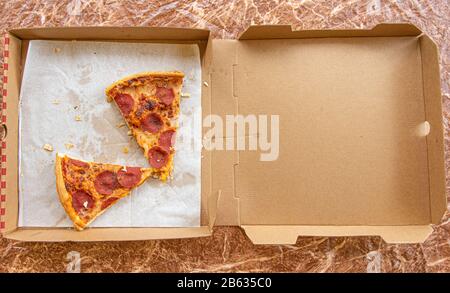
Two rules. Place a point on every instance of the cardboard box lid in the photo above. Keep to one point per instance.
(354, 107)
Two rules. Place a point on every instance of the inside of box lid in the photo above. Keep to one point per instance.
(352, 144)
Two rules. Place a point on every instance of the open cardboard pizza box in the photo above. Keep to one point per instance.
(360, 133)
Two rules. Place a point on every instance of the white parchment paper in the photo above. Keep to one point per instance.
(65, 79)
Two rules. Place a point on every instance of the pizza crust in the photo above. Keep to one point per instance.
(176, 74)
(64, 197)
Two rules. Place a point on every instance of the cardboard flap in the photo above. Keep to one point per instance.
(435, 137)
(287, 32)
(112, 33)
(289, 234)
(223, 103)
(106, 234)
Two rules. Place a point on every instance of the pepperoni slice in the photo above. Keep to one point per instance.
(157, 157)
(166, 139)
(108, 202)
(105, 182)
(129, 177)
(165, 95)
(125, 103)
(152, 123)
(82, 201)
(77, 163)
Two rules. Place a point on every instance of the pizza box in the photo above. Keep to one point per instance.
(354, 118)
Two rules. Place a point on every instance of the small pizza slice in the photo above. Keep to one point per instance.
(150, 105)
(87, 189)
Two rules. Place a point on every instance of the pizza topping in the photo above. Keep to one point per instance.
(108, 202)
(144, 105)
(129, 177)
(78, 163)
(158, 157)
(166, 139)
(149, 105)
(105, 182)
(125, 103)
(152, 123)
(82, 201)
(165, 95)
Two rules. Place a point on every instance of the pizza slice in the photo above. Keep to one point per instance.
(87, 189)
(150, 105)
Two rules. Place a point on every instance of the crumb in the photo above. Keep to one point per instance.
(55, 102)
(191, 76)
(108, 99)
(121, 124)
(185, 95)
(69, 145)
(125, 150)
(76, 107)
(78, 118)
(57, 50)
(48, 147)
(205, 83)
(129, 133)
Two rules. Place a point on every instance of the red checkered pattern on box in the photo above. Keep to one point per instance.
(3, 143)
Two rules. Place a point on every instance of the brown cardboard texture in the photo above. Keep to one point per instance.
(360, 133)
(355, 157)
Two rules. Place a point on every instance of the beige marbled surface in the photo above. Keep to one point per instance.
(229, 249)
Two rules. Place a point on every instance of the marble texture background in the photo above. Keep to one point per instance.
(228, 250)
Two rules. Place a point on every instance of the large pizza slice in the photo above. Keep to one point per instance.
(87, 189)
(150, 104)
